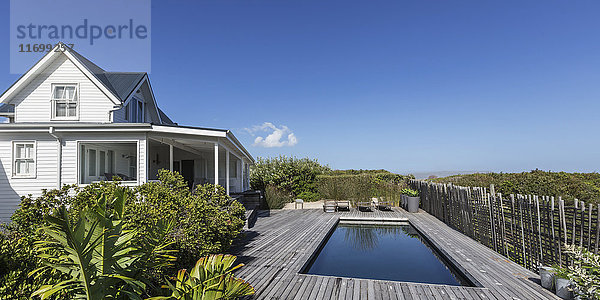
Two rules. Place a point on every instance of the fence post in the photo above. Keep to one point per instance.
(553, 242)
(512, 225)
(597, 228)
(589, 234)
(573, 241)
(582, 224)
(537, 204)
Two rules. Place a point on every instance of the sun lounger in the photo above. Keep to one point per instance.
(364, 205)
(384, 205)
(329, 206)
(342, 204)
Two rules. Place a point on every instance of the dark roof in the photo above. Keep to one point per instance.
(124, 83)
(164, 118)
(121, 84)
(7, 108)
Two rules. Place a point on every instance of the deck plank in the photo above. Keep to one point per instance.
(281, 243)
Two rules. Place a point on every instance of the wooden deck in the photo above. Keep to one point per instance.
(281, 242)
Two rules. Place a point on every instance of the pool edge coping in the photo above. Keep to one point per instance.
(437, 247)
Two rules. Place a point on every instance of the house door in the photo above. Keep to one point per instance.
(97, 164)
(91, 165)
(187, 171)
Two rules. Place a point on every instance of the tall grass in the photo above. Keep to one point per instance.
(360, 187)
(276, 198)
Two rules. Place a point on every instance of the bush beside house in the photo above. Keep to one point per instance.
(203, 222)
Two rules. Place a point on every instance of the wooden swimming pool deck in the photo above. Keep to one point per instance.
(279, 245)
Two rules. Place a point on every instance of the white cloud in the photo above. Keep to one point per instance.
(277, 136)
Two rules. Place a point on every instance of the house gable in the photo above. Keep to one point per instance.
(33, 101)
(101, 96)
(142, 92)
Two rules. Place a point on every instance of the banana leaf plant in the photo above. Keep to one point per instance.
(98, 253)
(210, 279)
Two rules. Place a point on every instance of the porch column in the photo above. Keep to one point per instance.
(171, 158)
(227, 171)
(216, 163)
(242, 175)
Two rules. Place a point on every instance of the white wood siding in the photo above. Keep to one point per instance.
(11, 189)
(32, 104)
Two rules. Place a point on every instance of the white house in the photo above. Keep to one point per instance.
(71, 122)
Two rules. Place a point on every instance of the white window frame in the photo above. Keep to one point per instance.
(54, 101)
(126, 141)
(14, 159)
(131, 115)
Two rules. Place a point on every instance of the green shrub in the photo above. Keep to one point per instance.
(309, 196)
(354, 186)
(205, 222)
(288, 173)
(17, 253)
(409, 192)
(583, 186)
(584, 271)
(276, 198)
(211, 278)
(17, 259)
(99, 253)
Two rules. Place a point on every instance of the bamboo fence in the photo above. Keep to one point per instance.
(528, 229)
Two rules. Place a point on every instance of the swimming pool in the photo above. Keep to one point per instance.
(384, 252)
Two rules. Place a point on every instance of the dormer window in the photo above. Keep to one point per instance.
(64, 101)
(135, 111)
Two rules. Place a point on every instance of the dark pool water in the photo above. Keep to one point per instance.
(395, 252)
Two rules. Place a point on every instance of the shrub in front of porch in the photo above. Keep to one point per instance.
(206, 221)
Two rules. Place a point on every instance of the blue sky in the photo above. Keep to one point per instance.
(408, 86)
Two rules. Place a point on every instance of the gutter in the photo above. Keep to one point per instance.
(111, 112)
(51, 131)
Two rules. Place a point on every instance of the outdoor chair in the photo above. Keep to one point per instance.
(364, 205)
(329, 206)
(342, 204)
(383, 204)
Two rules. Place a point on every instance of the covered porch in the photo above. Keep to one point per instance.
(200, 159)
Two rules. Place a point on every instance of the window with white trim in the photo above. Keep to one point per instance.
(24, 159)
(135, 111)
(64, 101)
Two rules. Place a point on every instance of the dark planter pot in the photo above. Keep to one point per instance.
(547, 277)
(403, 201)
(412, 204)
(562, 288)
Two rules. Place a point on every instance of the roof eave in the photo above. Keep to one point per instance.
(231, 137)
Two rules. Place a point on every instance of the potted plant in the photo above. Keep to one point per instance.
(584, 272)
(411, 199)
(562, 283)
(547, 277)
(402, 201)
